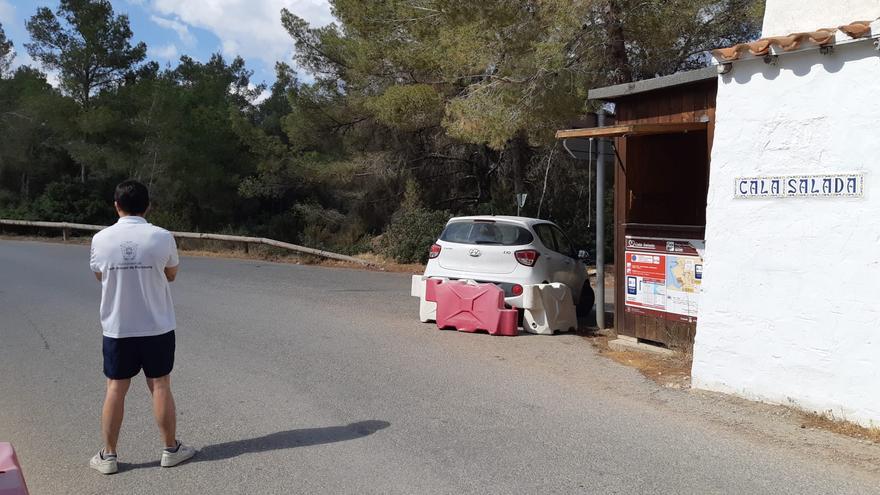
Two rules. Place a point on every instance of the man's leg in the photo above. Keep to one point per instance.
(163, 409)
(158, 363)
(114, 410)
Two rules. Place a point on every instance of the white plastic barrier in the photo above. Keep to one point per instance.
(427, 309)
(549, 308)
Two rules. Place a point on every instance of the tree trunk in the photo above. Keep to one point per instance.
(86, 103)
(618, 61)
(25, 186)
(519, 150)
(483, 171)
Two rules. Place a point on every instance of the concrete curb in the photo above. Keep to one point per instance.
(630, 345)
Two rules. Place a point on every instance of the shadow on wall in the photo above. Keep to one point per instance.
(279, 441)
(801, 63)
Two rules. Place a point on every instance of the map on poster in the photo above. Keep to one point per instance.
(664, 277)
(683, 276)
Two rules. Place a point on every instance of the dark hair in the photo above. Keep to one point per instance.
(132, 197)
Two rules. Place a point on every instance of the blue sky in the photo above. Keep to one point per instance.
(198, 28)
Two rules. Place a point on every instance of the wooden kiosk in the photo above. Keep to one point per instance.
(662, 140)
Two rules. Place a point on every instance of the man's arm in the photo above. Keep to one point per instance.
(93, 262)
(173, 260)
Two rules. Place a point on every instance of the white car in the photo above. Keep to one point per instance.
(510, 252)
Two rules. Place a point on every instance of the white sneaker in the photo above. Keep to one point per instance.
(104, 465)
(170, 459)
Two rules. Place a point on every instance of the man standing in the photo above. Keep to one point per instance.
(135, 261)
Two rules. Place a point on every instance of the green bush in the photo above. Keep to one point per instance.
(175, 221)
(10, 208)
(411, 232)
(319, 225)
(72, 202)
(285, 226)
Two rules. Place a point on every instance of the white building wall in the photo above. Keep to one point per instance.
(783, 17)
(790, 311)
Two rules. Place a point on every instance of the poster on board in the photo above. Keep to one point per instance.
(663, 277)
(646, 280)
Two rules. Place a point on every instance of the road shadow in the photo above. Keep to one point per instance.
(278, 441)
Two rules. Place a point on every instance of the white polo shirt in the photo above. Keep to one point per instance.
(135, 295)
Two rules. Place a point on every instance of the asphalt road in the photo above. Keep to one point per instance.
(295, 379)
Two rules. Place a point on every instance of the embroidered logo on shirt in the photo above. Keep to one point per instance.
(129, 250)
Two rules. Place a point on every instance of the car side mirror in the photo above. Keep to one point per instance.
(583, 255)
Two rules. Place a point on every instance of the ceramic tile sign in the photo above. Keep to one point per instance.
(801, 186)
(663, 277)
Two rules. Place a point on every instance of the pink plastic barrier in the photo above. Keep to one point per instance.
(11, 479)
(468, 308)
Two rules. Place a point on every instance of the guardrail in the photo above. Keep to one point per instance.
(66, 227)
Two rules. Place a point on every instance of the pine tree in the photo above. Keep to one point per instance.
(7, 53)
(87, 44)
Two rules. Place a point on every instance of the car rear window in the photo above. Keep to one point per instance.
(545, 233)
(554, 239)
(494, 233)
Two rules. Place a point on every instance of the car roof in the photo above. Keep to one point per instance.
(525, 221)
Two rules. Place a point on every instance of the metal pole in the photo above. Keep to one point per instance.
(600, 225)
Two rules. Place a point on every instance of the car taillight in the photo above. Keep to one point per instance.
(435, 251)
(517, 290)
(527, 257)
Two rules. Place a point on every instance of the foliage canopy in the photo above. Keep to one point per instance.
(401, 113)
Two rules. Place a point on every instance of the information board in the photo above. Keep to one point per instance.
(663, 277)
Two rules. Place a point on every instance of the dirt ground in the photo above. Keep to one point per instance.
(668, 371)
(675, 372)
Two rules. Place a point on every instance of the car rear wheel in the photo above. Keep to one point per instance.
(588, 299)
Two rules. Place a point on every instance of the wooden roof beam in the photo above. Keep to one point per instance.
(632, 130)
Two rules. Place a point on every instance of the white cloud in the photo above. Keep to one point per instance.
(178, 27)
(250, 28)
(22, 57)
(263, 96)
(230, 48)
(53, 79)
(164, 52)
(7, 13)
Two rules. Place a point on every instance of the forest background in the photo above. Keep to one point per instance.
(399, 115)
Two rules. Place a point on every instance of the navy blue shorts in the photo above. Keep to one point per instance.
(124, 358)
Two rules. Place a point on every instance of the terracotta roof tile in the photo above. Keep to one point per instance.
(857, 29)
(759, 47)
(731, 53)
(822, 36)
(793, 41)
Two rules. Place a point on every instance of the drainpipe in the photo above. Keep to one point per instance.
(601, 161)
